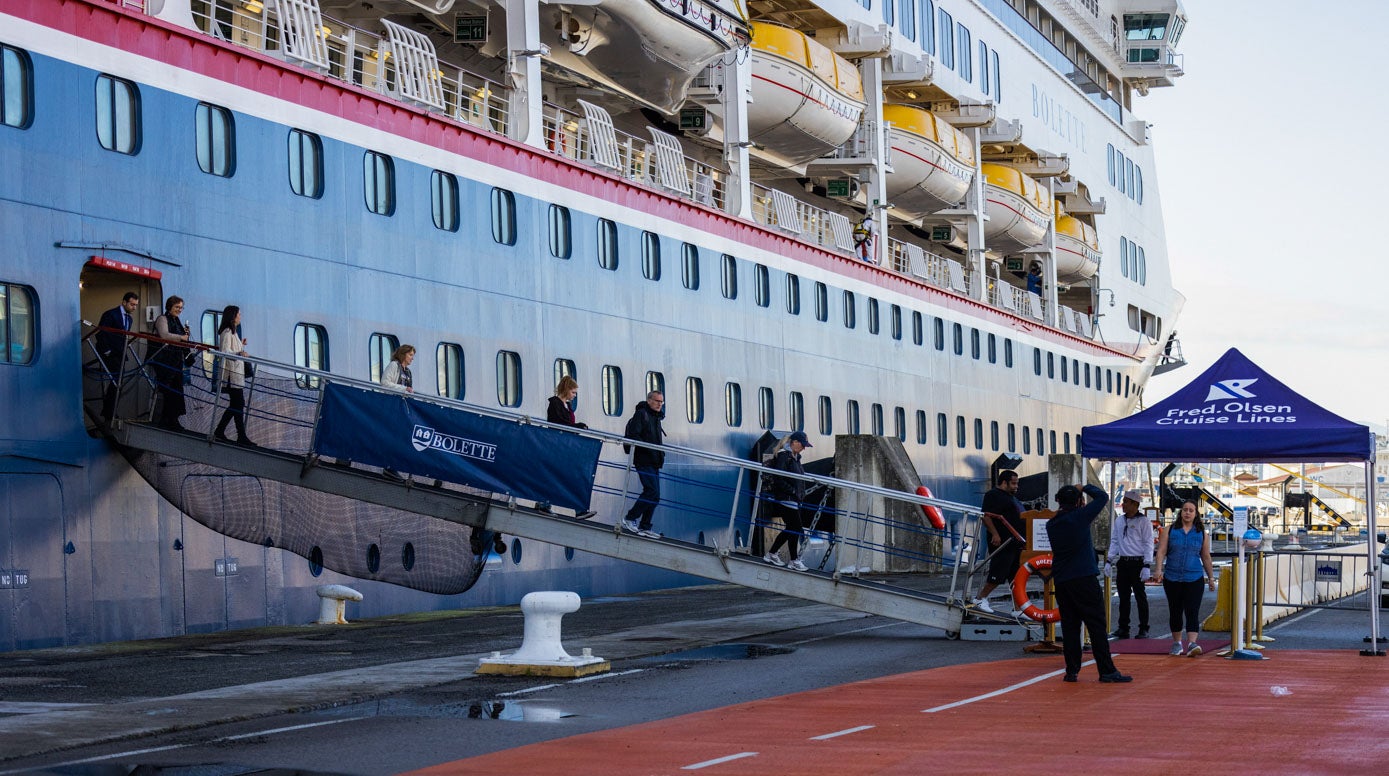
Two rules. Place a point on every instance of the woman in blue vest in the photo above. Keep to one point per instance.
(1184, 569)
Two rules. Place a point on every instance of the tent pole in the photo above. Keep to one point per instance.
(1372, 547)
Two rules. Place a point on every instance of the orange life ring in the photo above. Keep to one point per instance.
(558, 140)
(1020, 600)
(932, 513)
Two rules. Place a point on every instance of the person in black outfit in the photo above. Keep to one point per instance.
(560, 410)
(110, 347)
(169, 361)
(645, 426)
(1073, 574)
(788, 493)
(1001, 504)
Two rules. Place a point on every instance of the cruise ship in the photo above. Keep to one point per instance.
(931, 220)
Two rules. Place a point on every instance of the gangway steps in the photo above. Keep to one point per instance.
(515, 519)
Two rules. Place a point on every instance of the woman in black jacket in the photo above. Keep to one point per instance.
(560, 411)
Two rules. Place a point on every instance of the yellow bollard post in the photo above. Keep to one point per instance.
(1224, 615)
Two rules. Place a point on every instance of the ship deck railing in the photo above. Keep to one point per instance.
(362, 58)
(713, 508)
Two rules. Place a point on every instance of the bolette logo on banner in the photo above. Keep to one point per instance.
(425, 438)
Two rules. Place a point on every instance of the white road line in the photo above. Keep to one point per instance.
(286, 729)
(858, 729)
(606, 676)
(537, 688)
(1003, 691)
(708, 763)
(1292, 620)
(845, 633)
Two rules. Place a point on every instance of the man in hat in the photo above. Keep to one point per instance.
(1130, 562)
(787, 494)
(1073, 574)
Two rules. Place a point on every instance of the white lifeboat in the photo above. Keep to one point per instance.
(1077, 249)
(1018, 207)
(806, 99)
(932, 161)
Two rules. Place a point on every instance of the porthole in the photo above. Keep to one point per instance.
(373, 558)
(407, 556)
(316, 561)
(516, 551)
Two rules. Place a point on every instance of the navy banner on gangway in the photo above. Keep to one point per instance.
(426, 440)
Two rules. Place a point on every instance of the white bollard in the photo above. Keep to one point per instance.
(332, 609)
(541, 652)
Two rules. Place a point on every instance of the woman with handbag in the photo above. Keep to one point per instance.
(169, 361)
(233, 376)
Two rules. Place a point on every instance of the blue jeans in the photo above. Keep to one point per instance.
(649, 498)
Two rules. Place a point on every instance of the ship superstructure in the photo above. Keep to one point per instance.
(785, 215)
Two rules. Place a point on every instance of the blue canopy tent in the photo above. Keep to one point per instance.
(1236, 412)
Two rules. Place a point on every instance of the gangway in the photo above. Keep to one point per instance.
(1307, 501)
(538, 520)
(1173, 495)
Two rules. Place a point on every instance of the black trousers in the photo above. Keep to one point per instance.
(1082, 603)
(791, 533)
(650, 496)
(1126, 577)
(1184, 603)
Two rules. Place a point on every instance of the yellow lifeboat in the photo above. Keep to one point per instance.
(806, 99)
(932, 161)
(1019, 209)
(1077, 249)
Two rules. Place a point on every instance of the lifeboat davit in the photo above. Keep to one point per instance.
(806, 99)
(1018, 207)
(932, 161)
(1077, 249)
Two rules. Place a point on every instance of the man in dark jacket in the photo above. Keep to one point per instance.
(110, 346)
(645, 426)
(1073, 574)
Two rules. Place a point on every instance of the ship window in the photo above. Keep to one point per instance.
(993, 435)
(1124, 255)
(689, 271)
(998, 79)
(508, 378)
(793, 294)
(945, 33)
(18, 324)
(822, 302)
(906, 13)
(1145, 26)
(993, 349)
(564, 367)
(850, 310)
(16, 88)
(733, 404)
(380, 347)
(1037, 361)
(1138, 184)
(607, 244)
(918, 328)
(1108, 381)
(978, 434)
(899, 422)
(875, 416)
(1026, 440)
(1012, 437)
(942, 429)
(761, 285)
(305, 164)
(1087, 375)
(503, 217)
(1066, 441)
(694, 400)
(960, 431)
(1051, 366)
(215, 137)
(851, 416)
(310, 352)
(1008, 353)
(378, 183)
(974, 343)
(872, 316)
(650, 256)
(766, 408)
(959, 336)
(966, 61)
(928, 26)
(985, 83)
(655, 381)
(1128, 176)
(1064, 377)
(826, 416)
(1109, 161)
(1051, 441)
(730, 277)
(921, 430)
(889, 12)
(1041, 449)
(612, 390)
(796, 408)
(561, 235)
(448, 361)
(896, 322)
(443, 199)
(940, 334)
(1142, 267)
(117, 115)
(1119, 171)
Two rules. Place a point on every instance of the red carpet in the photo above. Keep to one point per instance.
(1209, 646)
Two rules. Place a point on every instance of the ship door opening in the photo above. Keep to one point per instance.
(103, 283)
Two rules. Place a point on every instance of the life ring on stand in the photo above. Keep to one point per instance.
(1020, 600)
(557, 140)
(932, 513)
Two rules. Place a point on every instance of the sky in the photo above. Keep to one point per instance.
(1273, 188)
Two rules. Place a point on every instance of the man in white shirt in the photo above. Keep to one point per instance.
(1130, 562)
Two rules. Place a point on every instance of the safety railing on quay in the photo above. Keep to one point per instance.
(709, 499)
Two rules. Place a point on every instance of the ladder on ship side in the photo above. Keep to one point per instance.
(726, 561)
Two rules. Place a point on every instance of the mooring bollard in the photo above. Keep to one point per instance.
(333, 608)
(541, 652)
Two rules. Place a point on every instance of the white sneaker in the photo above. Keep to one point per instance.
(631, 526)
(774, 559)
(1176, 648)
(648, 533)
(796, 565)
(982, 605)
